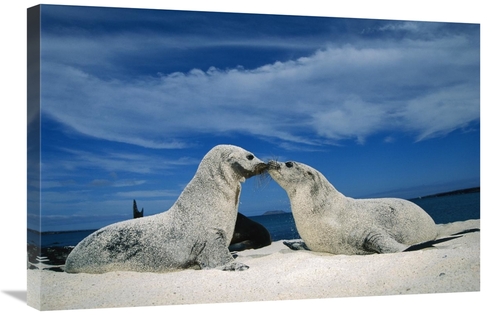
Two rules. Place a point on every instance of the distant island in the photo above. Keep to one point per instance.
(451, 193)
(274, 212)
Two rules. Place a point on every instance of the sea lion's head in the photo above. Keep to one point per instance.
(294, 176)
(238, 161)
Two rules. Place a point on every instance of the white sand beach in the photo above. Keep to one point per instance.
(276, 273)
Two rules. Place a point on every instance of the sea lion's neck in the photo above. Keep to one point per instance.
(314, 199)
(210, 199)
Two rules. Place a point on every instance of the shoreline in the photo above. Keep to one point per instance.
(276, 273)
(464, 191)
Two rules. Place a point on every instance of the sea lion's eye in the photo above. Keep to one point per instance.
(289, 164)
(250, 157)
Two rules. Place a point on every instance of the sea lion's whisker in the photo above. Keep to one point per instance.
(263, 179)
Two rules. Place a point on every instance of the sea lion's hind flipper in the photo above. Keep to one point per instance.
(296, 245)
(430, 243)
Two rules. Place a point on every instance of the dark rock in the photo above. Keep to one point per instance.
(249, 234)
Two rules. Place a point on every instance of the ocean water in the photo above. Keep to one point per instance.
(443, 209)
(280, 226)
(451, 208)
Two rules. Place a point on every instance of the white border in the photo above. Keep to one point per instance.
(13, 153)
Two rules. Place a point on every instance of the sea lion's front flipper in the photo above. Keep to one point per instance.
(215, 253)
(381, 242)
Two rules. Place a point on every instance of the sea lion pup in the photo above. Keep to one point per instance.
(328, 221)
(194, 233)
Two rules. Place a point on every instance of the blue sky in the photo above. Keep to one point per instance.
(133, 99)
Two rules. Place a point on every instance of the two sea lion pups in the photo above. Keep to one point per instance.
(196, 231)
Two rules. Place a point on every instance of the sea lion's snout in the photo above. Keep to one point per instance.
(273, 165)
(260, 168)
(247, 173)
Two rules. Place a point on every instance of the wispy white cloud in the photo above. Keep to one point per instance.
(74, 212)
(426, 88)
(112, 162)
(401, 26)
(48, 184)
(149, 193)
(128, 183)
